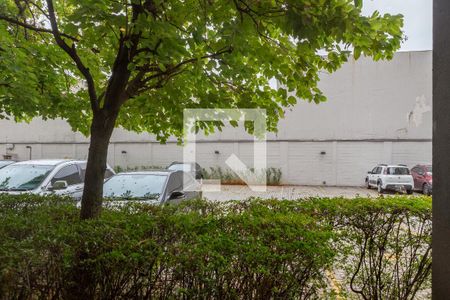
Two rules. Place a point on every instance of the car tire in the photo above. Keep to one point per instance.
(380, 187)
(426, 189)
(367, 184)
(409, 191)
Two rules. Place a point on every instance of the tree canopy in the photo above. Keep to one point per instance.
(182, 54)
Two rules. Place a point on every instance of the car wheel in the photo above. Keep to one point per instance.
(367, 183)
(409, 191)
(426, 189)
(380, 187)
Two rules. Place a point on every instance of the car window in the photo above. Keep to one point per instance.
(82, 167)
(134, 186)
(188, 179)
(108, 172)
(190, 184)
(175, 182)
(23, 177)
(4, 163)
(181, 167)
(430, 169)
(398, 171)
(70, 174)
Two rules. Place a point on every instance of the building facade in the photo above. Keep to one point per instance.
(377, 112)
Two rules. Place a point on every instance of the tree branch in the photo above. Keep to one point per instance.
(116, 93)
(224, 50)
(138, 83)
(39, 8)
(33, 28)
(154, 51)
(71, 51)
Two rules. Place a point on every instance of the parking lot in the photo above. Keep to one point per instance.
(291, 192)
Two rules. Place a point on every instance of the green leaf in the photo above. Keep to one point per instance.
(356, 53)
(162, 67)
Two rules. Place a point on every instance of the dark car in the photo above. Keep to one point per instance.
(423, 178)
(193, 168)
(152, 187)
(4, 163)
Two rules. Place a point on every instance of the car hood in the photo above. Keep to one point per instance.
(122, 203)
(18, 192)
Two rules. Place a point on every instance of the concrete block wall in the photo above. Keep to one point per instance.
(341, 163)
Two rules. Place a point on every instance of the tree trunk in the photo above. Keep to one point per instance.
(101, 129)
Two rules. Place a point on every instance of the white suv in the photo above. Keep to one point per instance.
(390, 177)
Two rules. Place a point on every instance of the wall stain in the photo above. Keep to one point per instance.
(415, 116)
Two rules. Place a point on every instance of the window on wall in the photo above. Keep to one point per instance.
(70, 174)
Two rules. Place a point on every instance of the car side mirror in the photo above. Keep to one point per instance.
(58, 185)
(369, 172)
(176, 195)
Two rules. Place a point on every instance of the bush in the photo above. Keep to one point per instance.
(387, 247)
(198, 249)
(250, 249)
(227, 176)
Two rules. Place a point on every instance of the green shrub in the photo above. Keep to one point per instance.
(198, 249)
(249, 249)
(386, 244)
(227, 176)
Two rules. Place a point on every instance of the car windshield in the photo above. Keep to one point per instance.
(134, 186)
(180, 167)
(430, 169)
(398, 171)
(23, 177)
(4, 163)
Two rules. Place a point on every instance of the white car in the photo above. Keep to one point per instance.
(42, 177)
(151, 187)
(390, 177)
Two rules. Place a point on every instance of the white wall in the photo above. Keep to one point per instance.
(376, 112)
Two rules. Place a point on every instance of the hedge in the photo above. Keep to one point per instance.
(256, 249)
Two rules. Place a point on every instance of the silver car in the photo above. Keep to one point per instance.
(153, 187)
(42, 177)
(4, 163)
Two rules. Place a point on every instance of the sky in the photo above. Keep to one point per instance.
(418, 20)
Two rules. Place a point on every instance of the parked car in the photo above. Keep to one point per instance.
(193, 168)
(154, 187)
(62, 177)
(4, 163)
(423, 178)
(390, 177)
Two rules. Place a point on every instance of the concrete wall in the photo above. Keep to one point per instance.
(376, 112)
